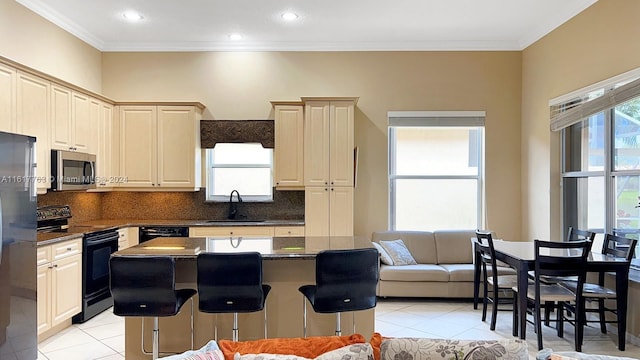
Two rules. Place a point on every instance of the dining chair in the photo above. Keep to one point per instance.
(499, 284)
(231, 283)
(616, 246)
(346, 280)
(557, 259)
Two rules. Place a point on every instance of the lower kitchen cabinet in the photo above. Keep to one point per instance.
(59, 281)
(128, 237)
(231, 231)
(288, 231)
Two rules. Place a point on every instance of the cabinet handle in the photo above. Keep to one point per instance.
(326, 189)
(331, 189)
(230, 232)
(50, 267)
(68, 249)
(55, 265)
(332, 183)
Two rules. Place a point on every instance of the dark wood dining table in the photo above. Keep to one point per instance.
(520, 255)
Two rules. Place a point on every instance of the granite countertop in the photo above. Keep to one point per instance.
(274, 248)
(78, 230)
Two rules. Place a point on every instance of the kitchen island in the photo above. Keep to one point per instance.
(288, 263)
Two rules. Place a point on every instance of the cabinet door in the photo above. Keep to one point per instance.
(61, 113)
(289, 151)
(43, 298)
(104, 159)
(138, 152)
(316, 211)
(231, 231)
(123, 241)
(66, 285)
(177, 151)
(288, 231)
(82, 133)
(341, 143)
(7, 98)
(33, 120)
(341, 210)
(316, 143)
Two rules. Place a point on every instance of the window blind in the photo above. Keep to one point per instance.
(436, 118)
(574, 111)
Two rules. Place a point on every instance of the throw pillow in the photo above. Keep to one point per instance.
(309, 347)
(427, 349)
(398, 252)
(350, 352)
(210, 351)
(384, 256)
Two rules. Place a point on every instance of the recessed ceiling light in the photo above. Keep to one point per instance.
(235, 36)
(132, 15)
(289, 16)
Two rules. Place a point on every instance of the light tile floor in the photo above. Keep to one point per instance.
(103, 336)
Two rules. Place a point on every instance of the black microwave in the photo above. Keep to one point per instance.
(72, 170)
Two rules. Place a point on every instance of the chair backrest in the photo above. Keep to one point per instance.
(346, 280)
(230, 282)
(577, 234)
(143, 285)
(619, 246)
(484, 244)
(561, 259)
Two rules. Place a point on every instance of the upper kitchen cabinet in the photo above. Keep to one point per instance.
(101, 117)
(70, 121)
(289, 151)
(32, 99)
(159, 146)
(328, 141)
(7, 98)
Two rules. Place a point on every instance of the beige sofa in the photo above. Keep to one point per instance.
(444, 269)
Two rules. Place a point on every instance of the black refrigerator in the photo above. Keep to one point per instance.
(18, 284)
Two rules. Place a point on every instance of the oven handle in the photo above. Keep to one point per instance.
(101, 239)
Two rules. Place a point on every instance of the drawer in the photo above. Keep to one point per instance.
(66, 249)
(289, 231)
(231, 231)
(43, 255)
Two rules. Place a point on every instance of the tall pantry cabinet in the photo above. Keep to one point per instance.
(329, 166)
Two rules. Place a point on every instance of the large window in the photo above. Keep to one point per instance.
(601, 167)
(243, 167)
(435, 170)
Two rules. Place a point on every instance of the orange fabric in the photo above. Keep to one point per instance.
(376, 341)
(310, 347)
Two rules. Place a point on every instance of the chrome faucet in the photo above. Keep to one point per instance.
(233, 208)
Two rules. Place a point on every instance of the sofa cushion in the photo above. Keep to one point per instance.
(349, 352)
(459, 272)
(398, 252)
(309, 347)
(419, 272)
(427, 349)
(454, 246)
(421, 244)
(384, 256)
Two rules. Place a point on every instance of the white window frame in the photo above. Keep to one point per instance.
(436, 119)
(225, 198)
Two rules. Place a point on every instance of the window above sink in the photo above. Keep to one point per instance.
(246, 167)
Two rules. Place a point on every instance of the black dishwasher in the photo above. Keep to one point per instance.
(147, 233)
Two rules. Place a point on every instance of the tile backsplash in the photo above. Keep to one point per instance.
(85, 206)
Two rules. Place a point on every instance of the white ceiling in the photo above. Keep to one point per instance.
(323, 25)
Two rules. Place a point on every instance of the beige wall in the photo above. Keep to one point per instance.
(240, 85)
(595, 45)
(30, 40)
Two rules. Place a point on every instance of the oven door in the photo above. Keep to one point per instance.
(98, 248)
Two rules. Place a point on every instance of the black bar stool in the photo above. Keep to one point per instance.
(146, 286)
(232, 283)
(346, 280)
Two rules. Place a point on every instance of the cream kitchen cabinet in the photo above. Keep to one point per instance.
(328, 211)
(231, 231)
(59, 282)
(328, 142)
(7, 98)
(289, 150)
(102, 119)
(288, 231)
(32, 114)
(71, 127)
(128, 237)
(159, 147)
